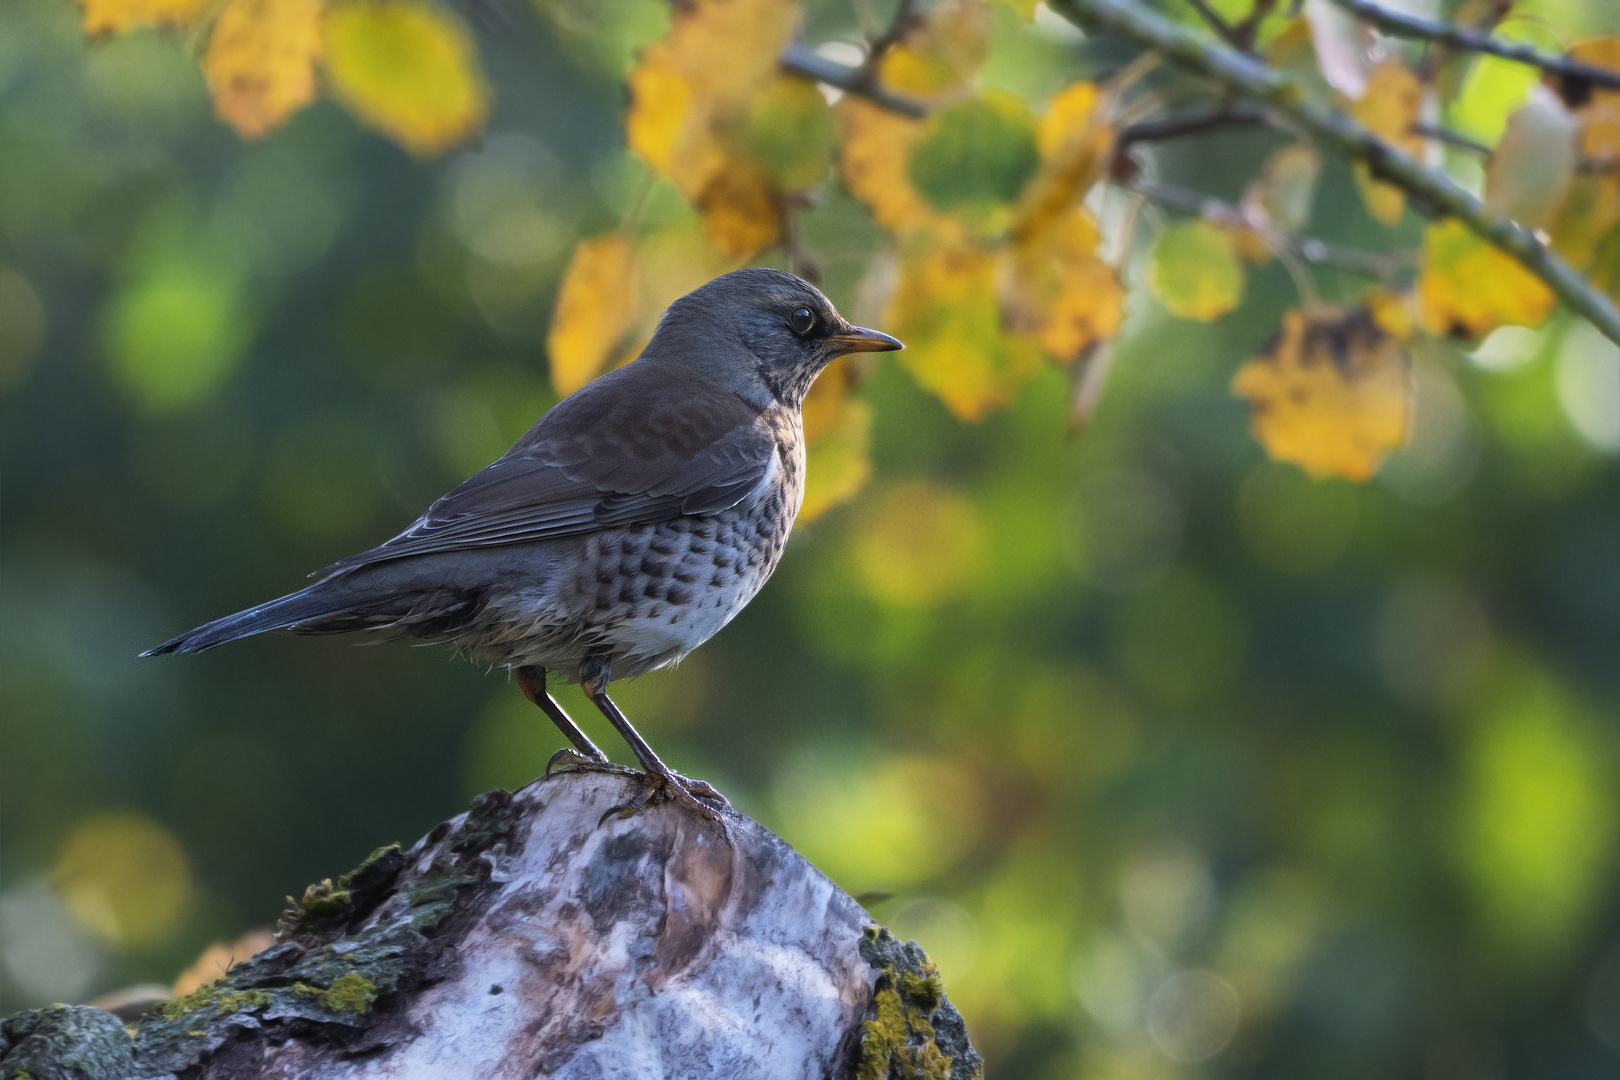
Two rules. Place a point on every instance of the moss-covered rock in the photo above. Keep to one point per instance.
(536, 880)
(67, 1042)
(341, 954)
(911, 1031)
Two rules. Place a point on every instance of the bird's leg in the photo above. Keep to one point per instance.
(532, 681)
(593, 679)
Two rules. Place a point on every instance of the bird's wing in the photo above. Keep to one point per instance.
(626, 450)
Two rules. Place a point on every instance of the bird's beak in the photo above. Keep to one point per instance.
(860, 339)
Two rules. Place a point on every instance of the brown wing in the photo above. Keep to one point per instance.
(637, 446)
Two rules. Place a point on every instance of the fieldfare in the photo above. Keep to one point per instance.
(634, 520)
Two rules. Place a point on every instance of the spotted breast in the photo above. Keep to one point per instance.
(650, 594)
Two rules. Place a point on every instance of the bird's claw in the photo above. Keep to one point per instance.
(671, 787)
(701, 790)
(570, 758)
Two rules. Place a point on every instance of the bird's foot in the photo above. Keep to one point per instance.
(573, 759)
(695, 795)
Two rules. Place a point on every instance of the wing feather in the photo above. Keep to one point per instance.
(640, 445)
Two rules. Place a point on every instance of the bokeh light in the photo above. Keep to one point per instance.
(915, 817)
(919, 544)
(124, 877)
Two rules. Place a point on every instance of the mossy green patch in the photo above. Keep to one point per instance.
(352, 993)
(243, 999)
(911, 1031)
(327, 903)
(180, 1006)
(214, 995)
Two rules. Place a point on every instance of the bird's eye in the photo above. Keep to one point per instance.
(802, 321)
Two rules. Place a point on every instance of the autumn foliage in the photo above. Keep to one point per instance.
(1013, 230)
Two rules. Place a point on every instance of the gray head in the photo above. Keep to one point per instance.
(759, 333)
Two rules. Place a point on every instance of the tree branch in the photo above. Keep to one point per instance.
(881, 44)
(1451, 138)
(1400, 24)
(1222, 28)
(802, 60)
(1316, 252)
(1432, 190)
(1175, 125)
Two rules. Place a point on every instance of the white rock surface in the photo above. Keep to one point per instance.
(648, 947)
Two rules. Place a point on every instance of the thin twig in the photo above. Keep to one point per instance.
(1249, 28)
(1466, 39)
(1431, 190)
(1222, 28)
(1162, 128)
(802, 60)
(1316, 252)
(890, 37)
(1451, 138)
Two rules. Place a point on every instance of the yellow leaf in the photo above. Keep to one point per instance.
(939, 54)
(728, 48)
(260, 63)
(1599, 52)
(1394, 312)
(1024, 8)
(742, 211)
(932, 62)
(1589, 214)
(689, 90)
(1056, 287)
(1330, 393)
(837, 430)
(1392, 104)
(111, 16)
(1075, 143)
(596, 306)
(660, 99)
(1586, 230)
(1468, 287)
(709, 110)
(1195, 271)
(875, 161)
(944, 309)
(408, 70)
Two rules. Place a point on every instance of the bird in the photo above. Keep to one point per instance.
(636, 518)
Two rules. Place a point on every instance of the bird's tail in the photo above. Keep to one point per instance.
(306, 610)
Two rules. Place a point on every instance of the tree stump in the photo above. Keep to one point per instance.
(526, 939)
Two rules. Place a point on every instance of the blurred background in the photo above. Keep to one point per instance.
(1178, 763)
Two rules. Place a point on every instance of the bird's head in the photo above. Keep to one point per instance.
(759, 333)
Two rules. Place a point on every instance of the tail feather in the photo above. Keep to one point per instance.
(337, 605)
(294, 610)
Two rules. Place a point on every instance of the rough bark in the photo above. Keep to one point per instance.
(524, 939)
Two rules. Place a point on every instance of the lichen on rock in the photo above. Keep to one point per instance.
(911, 1031)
